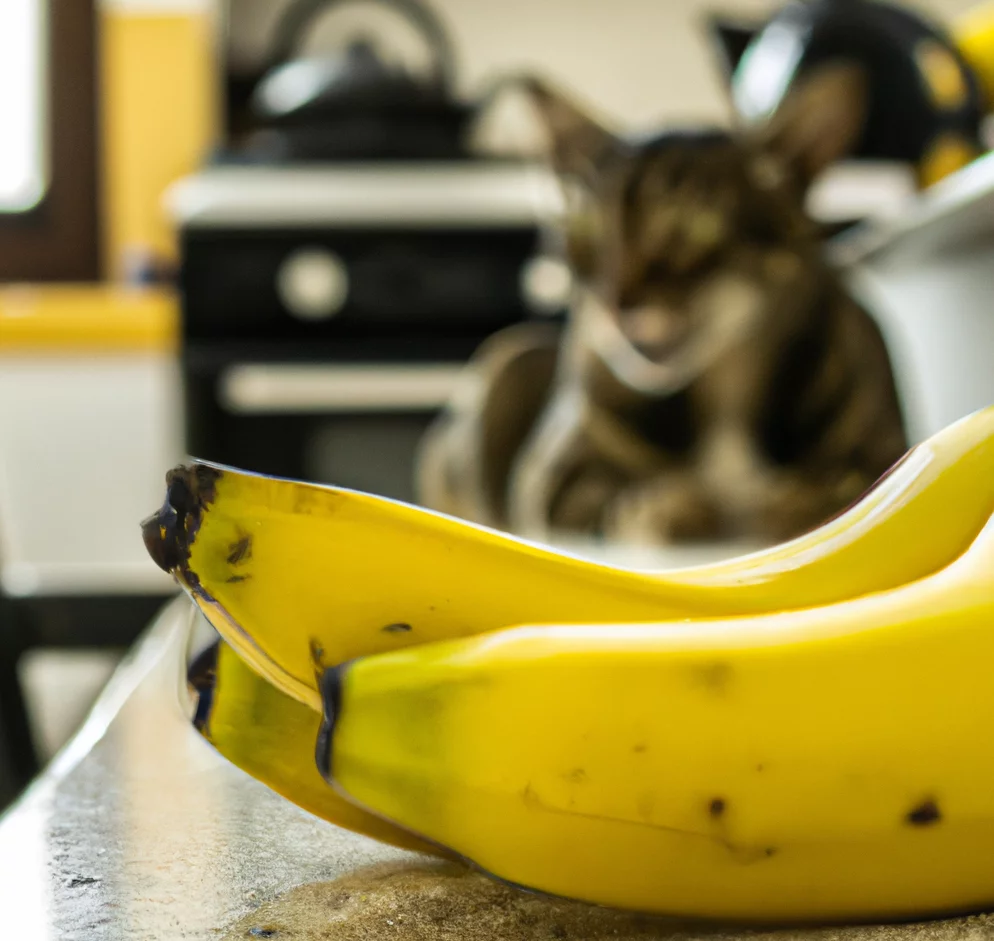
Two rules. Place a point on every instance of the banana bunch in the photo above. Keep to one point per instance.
(795, 734)
(271, 737)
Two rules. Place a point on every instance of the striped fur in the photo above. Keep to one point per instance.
(714, 380)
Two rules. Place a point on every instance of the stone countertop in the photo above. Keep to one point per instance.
(139, 830)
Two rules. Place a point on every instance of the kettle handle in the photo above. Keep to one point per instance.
(300, 14)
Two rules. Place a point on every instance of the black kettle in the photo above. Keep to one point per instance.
(353, 105)
(925, 103)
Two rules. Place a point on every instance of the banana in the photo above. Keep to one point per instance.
(818, 765)
(296, 575)
(271, 737)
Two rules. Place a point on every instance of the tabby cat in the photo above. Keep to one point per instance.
(714, 380)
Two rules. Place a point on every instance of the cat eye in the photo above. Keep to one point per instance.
(707, 227)
(766, 172)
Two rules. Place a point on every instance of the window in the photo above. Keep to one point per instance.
(23, 104)
(48, 125)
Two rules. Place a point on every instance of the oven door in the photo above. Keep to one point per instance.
(351, 425)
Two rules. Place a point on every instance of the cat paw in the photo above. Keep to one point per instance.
(668, 510)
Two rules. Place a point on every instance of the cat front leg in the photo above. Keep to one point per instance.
(556, 447)
(758, 499)
(740, 481)
(673, 507)
(802, 502)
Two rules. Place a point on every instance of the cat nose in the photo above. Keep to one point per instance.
(654, 329)
(648, 324)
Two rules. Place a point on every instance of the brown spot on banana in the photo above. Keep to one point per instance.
(398, 628)
(715, 676)
(240, 551)
(925, 814)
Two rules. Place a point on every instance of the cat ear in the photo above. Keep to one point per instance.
(729, 38)
(819, 121)
(578, 142)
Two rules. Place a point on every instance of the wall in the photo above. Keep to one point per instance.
(158, 60)
(639, 61)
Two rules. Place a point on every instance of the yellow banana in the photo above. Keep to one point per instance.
(271, 737)
(292, 573)
(832, 763)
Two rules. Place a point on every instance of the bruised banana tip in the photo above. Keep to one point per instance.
(168, 532)
(160, 542)
(330, 688)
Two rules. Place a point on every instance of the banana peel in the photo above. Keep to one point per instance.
(272, 737)
(828, 764)
(299, 576)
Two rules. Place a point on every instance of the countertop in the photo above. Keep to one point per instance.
(139, 830)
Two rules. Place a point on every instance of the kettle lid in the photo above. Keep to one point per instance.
(359, 78)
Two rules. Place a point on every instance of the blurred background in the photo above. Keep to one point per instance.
(244, 230)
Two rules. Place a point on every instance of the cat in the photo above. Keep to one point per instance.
(713, 380)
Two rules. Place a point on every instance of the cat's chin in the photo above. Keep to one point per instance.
(660, 353)
(699, 346)
(655, 333)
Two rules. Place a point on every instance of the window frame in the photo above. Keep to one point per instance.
(58, 238)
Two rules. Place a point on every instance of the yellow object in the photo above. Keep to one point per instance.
(271, 737)
(834, 763)
(295, 576)
(944, 155)
(942, 74)
(973, 34)
(160, 108)
(87, 318)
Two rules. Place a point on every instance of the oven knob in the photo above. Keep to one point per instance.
(546, 284)
(313, 283)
